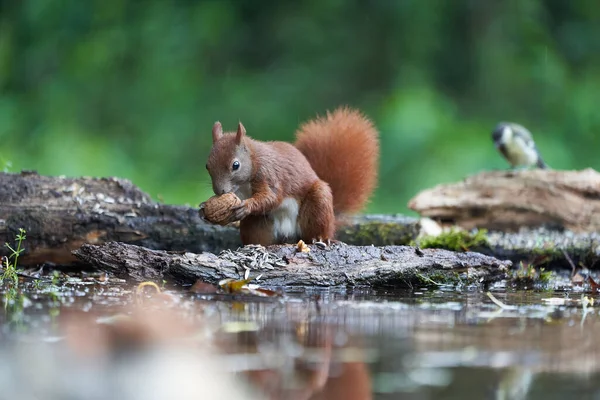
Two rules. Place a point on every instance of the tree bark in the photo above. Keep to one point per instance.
(336, 265)
(509, 200)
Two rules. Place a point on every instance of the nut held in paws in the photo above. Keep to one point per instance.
(217, 209)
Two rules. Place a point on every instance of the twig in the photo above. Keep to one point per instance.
(499, 303)
(570, 262)
(428, 279)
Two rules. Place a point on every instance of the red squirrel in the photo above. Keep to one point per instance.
(300, 191)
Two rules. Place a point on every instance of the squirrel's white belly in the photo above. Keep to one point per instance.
(285, 219)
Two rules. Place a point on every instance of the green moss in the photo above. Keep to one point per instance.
(377, 233)
(454, 239)
(439, 278)
(529, 276)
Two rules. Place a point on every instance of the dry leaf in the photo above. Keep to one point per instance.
(593, 284)
(233, 285)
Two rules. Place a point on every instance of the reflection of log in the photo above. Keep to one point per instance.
(507, 200)
(337, 265)
(446, 335)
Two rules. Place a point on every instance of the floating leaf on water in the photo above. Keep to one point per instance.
(232, 285)
(267, 292)
(244, 286)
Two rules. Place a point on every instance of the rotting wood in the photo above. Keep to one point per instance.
(511, 200)
(334, 266)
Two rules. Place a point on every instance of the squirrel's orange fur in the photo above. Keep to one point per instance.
(343, 149)
(291, 192)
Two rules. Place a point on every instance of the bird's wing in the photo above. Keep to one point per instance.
(528, 140)
(524, 133)
(540, 163)
(503, 150)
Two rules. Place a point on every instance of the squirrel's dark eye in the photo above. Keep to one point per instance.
(236, 165)
(206, 166)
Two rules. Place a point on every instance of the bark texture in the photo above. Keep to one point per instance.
(60, 214)
(510, 200)
(334, 266)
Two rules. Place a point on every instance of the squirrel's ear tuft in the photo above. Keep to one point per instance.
(241, 132)
(217, 131)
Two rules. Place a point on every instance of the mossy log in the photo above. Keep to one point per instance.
(510, 200)
(336, 265)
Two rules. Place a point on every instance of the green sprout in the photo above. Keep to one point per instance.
(10, 268)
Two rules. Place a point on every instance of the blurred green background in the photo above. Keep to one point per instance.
(132, 88)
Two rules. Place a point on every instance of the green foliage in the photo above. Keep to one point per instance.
(10, 268)
(120, 88)
(528, 276)
(455, 239)
(438, 278)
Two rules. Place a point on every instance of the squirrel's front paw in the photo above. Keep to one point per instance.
(240, 212)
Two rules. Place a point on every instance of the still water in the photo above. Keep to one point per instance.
(92, 338)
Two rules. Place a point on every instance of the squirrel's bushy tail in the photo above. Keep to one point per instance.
(343, 149)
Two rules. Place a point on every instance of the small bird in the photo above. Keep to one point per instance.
(516, 144)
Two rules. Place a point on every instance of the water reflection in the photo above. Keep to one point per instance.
(309, 345)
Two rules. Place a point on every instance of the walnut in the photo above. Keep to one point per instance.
(217, 209)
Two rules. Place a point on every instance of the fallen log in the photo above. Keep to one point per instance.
(336, 265)
(60, 214)
(510, 200)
